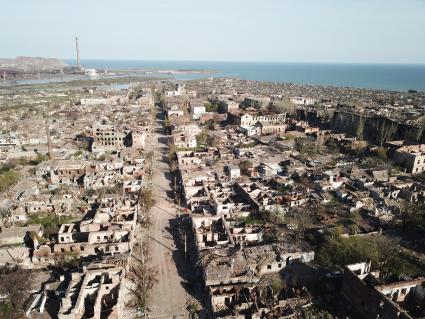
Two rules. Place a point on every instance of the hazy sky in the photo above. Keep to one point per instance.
(255, 30)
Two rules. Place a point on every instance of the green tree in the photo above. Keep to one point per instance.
(202, 138)
(412, 216)
(245, 166)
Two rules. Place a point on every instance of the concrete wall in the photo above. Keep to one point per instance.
(366, 300)
(348, 122)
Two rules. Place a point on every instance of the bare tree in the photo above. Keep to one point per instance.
(5, 215)
(302, 218)
(15, 283)
(360, 129)
(141, 280)
(146, 199)
(385, 130)
(284, 106)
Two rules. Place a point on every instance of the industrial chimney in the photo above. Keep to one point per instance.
(78, 52)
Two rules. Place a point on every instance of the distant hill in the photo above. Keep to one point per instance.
(32, 63)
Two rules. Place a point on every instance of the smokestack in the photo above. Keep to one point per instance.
(78, 52)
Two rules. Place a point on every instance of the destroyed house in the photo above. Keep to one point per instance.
(93, 293)
(108, 232)
(372, 298)
(247, 265)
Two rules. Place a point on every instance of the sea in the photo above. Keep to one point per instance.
(398, 77)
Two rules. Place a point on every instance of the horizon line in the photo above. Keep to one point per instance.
(230, 61)
(245, 61)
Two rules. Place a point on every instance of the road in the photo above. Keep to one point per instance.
(167, 299)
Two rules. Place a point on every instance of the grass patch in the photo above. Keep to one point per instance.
(50, 222)
(190, 149)
(384, 254)
(8, 177)
(289, 137)
(40, 158)
(252, 219)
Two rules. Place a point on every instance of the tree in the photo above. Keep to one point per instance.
(302, 219)
(332, 146)
(174, 166)
(5, 215)
(382, 154)
(412, 216)
(304, 145)
(141, 280)
(66, 261)
(386, 256)
(193, 309)
(202, 138)
(325, 114)
(15, 283)
(385, 130)
(404, 213)
(360, 128)
(213, 106)
(245, 167)
(167, 125)
(146, 199)
(214, 141)
(420, 129)
(284, 106)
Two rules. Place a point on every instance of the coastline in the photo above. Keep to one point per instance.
(392, 77)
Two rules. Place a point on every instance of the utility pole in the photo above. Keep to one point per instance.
(185, 244)
(141, 247)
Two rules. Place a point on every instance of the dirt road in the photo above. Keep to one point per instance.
(168, 297)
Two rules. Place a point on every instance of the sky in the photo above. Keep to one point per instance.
(341, 31)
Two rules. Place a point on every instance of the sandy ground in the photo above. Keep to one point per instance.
(168, 297)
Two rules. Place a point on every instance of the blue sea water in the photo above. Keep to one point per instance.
(401, 77)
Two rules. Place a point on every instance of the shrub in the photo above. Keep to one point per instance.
(8, 177)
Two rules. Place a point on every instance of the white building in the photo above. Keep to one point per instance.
(250, 120)
(182, 140)
(300, 100)
(191, 128)
(90, 72)
(94, 101)
(180, 90)
(197, 110)
(175, 112)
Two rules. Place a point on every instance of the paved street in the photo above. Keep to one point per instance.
(168, 297)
